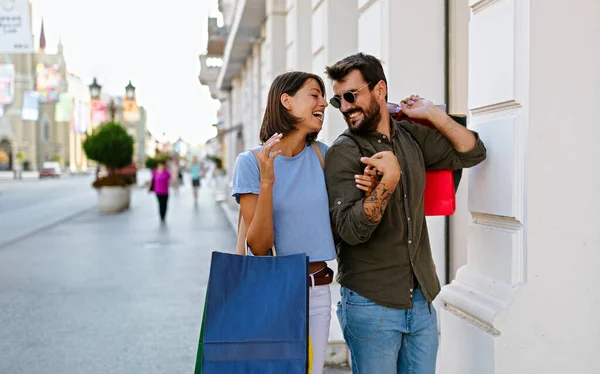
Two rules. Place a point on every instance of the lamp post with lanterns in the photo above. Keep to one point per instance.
(95, 90)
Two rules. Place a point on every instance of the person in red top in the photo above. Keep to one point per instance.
(160, 186)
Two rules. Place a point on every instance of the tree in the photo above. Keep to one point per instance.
(110, 145)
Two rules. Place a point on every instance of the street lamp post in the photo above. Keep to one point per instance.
(95, 90)
(112, 109)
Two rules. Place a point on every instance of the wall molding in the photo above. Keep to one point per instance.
(478, 296)
(366, 6)
(505, 106)
(492, 220)
(472, 320)
(481, 5)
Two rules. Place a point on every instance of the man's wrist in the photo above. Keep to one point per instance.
(390, 181)
(437, 117)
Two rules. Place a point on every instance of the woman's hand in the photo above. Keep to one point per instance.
(368, 181)
(266, 160)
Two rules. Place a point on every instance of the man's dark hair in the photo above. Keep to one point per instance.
(369, 66)
(277, 118)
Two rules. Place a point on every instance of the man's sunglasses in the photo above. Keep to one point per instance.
(349, 96)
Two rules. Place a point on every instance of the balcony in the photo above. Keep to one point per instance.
(209, 72)
(212, 60)
(243, 33)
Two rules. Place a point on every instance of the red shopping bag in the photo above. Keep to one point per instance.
(440, 185)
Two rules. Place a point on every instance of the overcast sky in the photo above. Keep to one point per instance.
(155, 44)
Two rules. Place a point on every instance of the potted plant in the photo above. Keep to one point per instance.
(111, 146)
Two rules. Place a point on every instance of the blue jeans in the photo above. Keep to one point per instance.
(387, 340)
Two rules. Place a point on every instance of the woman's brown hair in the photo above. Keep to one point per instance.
(277, 118)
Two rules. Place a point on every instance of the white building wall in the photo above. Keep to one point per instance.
(525, 301)
(257, 112)
(334, 36)
(298, 35)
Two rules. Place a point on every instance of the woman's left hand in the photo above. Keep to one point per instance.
(368, 181)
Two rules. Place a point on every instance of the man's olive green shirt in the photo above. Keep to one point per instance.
(378, 260)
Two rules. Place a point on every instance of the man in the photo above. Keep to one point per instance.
(196, 171)
(386, 268)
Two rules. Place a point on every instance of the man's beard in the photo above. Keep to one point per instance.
(370, 121)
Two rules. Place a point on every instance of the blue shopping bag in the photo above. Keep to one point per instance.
(256, 316)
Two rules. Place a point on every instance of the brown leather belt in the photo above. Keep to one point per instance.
(321, 277)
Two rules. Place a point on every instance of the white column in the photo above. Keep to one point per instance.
(458, 103)
(334, 36)
(526, 301)
(275, 39)
(257, 113)
(298, 35)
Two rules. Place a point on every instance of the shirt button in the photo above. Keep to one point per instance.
(339, 203)
(411, 290)
(410, 242)
(378, 140)
(384, 137)
(409, 218)
(405, 196)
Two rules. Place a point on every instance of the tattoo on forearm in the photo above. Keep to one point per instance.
(374, 204)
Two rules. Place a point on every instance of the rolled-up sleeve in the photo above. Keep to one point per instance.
(438, 152)
(348, 218)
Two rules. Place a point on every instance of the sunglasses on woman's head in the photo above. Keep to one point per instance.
(349, 96)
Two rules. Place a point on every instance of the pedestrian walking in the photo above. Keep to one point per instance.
(160, 186)
(385, 264)
(175, 171)
(282, 192)
(196, 171)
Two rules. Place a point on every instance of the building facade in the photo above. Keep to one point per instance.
(49, 115)
(525, 234)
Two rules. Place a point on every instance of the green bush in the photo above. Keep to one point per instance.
(110, 145)
(217, 160)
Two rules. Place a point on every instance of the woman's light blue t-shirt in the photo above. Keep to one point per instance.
(300, 204)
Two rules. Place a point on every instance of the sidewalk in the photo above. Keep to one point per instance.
(26, 175)
(337, 353)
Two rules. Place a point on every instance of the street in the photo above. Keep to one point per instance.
(18, 195)
(103, 294)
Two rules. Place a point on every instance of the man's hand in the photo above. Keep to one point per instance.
(460, 137)
(416, 107)
(377, 199)
(368, 181)
(386, 163)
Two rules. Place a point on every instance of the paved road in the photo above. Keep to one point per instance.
(23, 194)
(110, 294)
(29, 206)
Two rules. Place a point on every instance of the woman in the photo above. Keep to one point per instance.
(282, 192)
(160, 184)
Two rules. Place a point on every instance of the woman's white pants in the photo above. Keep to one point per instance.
(319, 320)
